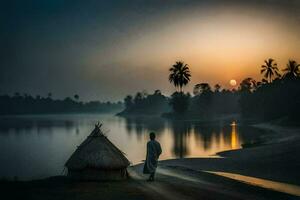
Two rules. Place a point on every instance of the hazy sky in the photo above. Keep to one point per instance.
(106, 49)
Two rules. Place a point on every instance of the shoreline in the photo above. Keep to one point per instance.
(188, 178)
(275, 160)
(280, 138)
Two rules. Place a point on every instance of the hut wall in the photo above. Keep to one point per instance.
(91, 174)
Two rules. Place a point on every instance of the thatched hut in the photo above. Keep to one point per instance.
(97, 159)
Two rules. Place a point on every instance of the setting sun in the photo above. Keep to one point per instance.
(232, 82)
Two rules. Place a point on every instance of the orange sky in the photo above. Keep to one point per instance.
(107, 49)
(218, 45)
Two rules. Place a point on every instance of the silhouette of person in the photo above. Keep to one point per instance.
(153, 153)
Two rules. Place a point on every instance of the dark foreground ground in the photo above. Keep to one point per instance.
(172, 183)
(184, 178)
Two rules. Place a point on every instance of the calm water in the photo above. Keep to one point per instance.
(38, 146)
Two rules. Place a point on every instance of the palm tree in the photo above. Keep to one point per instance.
(292, 69)
(270, 69)
(180, 75)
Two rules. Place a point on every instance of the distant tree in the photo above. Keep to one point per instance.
(179, 75)
(157, 92)
(258, 84)
(264, 81)
(49, 95)
(201, 88)
(180, 102)
(68, 99)
(144, 93)
(225, 90)
(28, 105)
(76, 97)
(17, 94)
(128, 101)
(247, 85)
(138, 98)
(292, 69)
(203, 98)
(233, 90)
(145, 104)
(270, 70)
(217, 88)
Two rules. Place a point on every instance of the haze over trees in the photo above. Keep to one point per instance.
(275, 96)
(206, 103)
(26, 104)
(145, 104)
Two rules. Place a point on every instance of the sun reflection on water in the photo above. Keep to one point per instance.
(234, 136)
(207, 141)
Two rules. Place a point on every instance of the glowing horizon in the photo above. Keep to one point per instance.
(217, 48)
(107, 50)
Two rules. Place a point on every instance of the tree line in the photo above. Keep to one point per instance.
(143, 103)
(276, 95)
(26, 104)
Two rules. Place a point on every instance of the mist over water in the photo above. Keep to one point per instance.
(37, 146)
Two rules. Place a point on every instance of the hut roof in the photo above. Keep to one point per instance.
(96, 151)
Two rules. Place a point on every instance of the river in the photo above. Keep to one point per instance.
(37, 146)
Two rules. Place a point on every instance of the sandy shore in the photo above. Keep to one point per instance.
(278, 160)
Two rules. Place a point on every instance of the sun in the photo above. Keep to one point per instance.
(232, 82)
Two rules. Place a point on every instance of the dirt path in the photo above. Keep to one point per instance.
(177, 183)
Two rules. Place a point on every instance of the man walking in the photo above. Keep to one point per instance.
(153, 153)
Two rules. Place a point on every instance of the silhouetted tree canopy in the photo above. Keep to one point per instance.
(179, 75)
(76, 96)
(145, 104)
(279, 99)
(202, 88)
(27, 104)
(180, 102)
(292, 70)
(270, 70)
(273, 97)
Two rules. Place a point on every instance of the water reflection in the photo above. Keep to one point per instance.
(234, 136)
(40, 145)
(180, 133)
(21, 124)
(187, 139)
(138, 125)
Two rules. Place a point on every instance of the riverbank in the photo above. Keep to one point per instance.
(277, 159)
(172, 183)
(187, 178)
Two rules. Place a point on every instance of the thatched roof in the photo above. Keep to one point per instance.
(97, 152)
